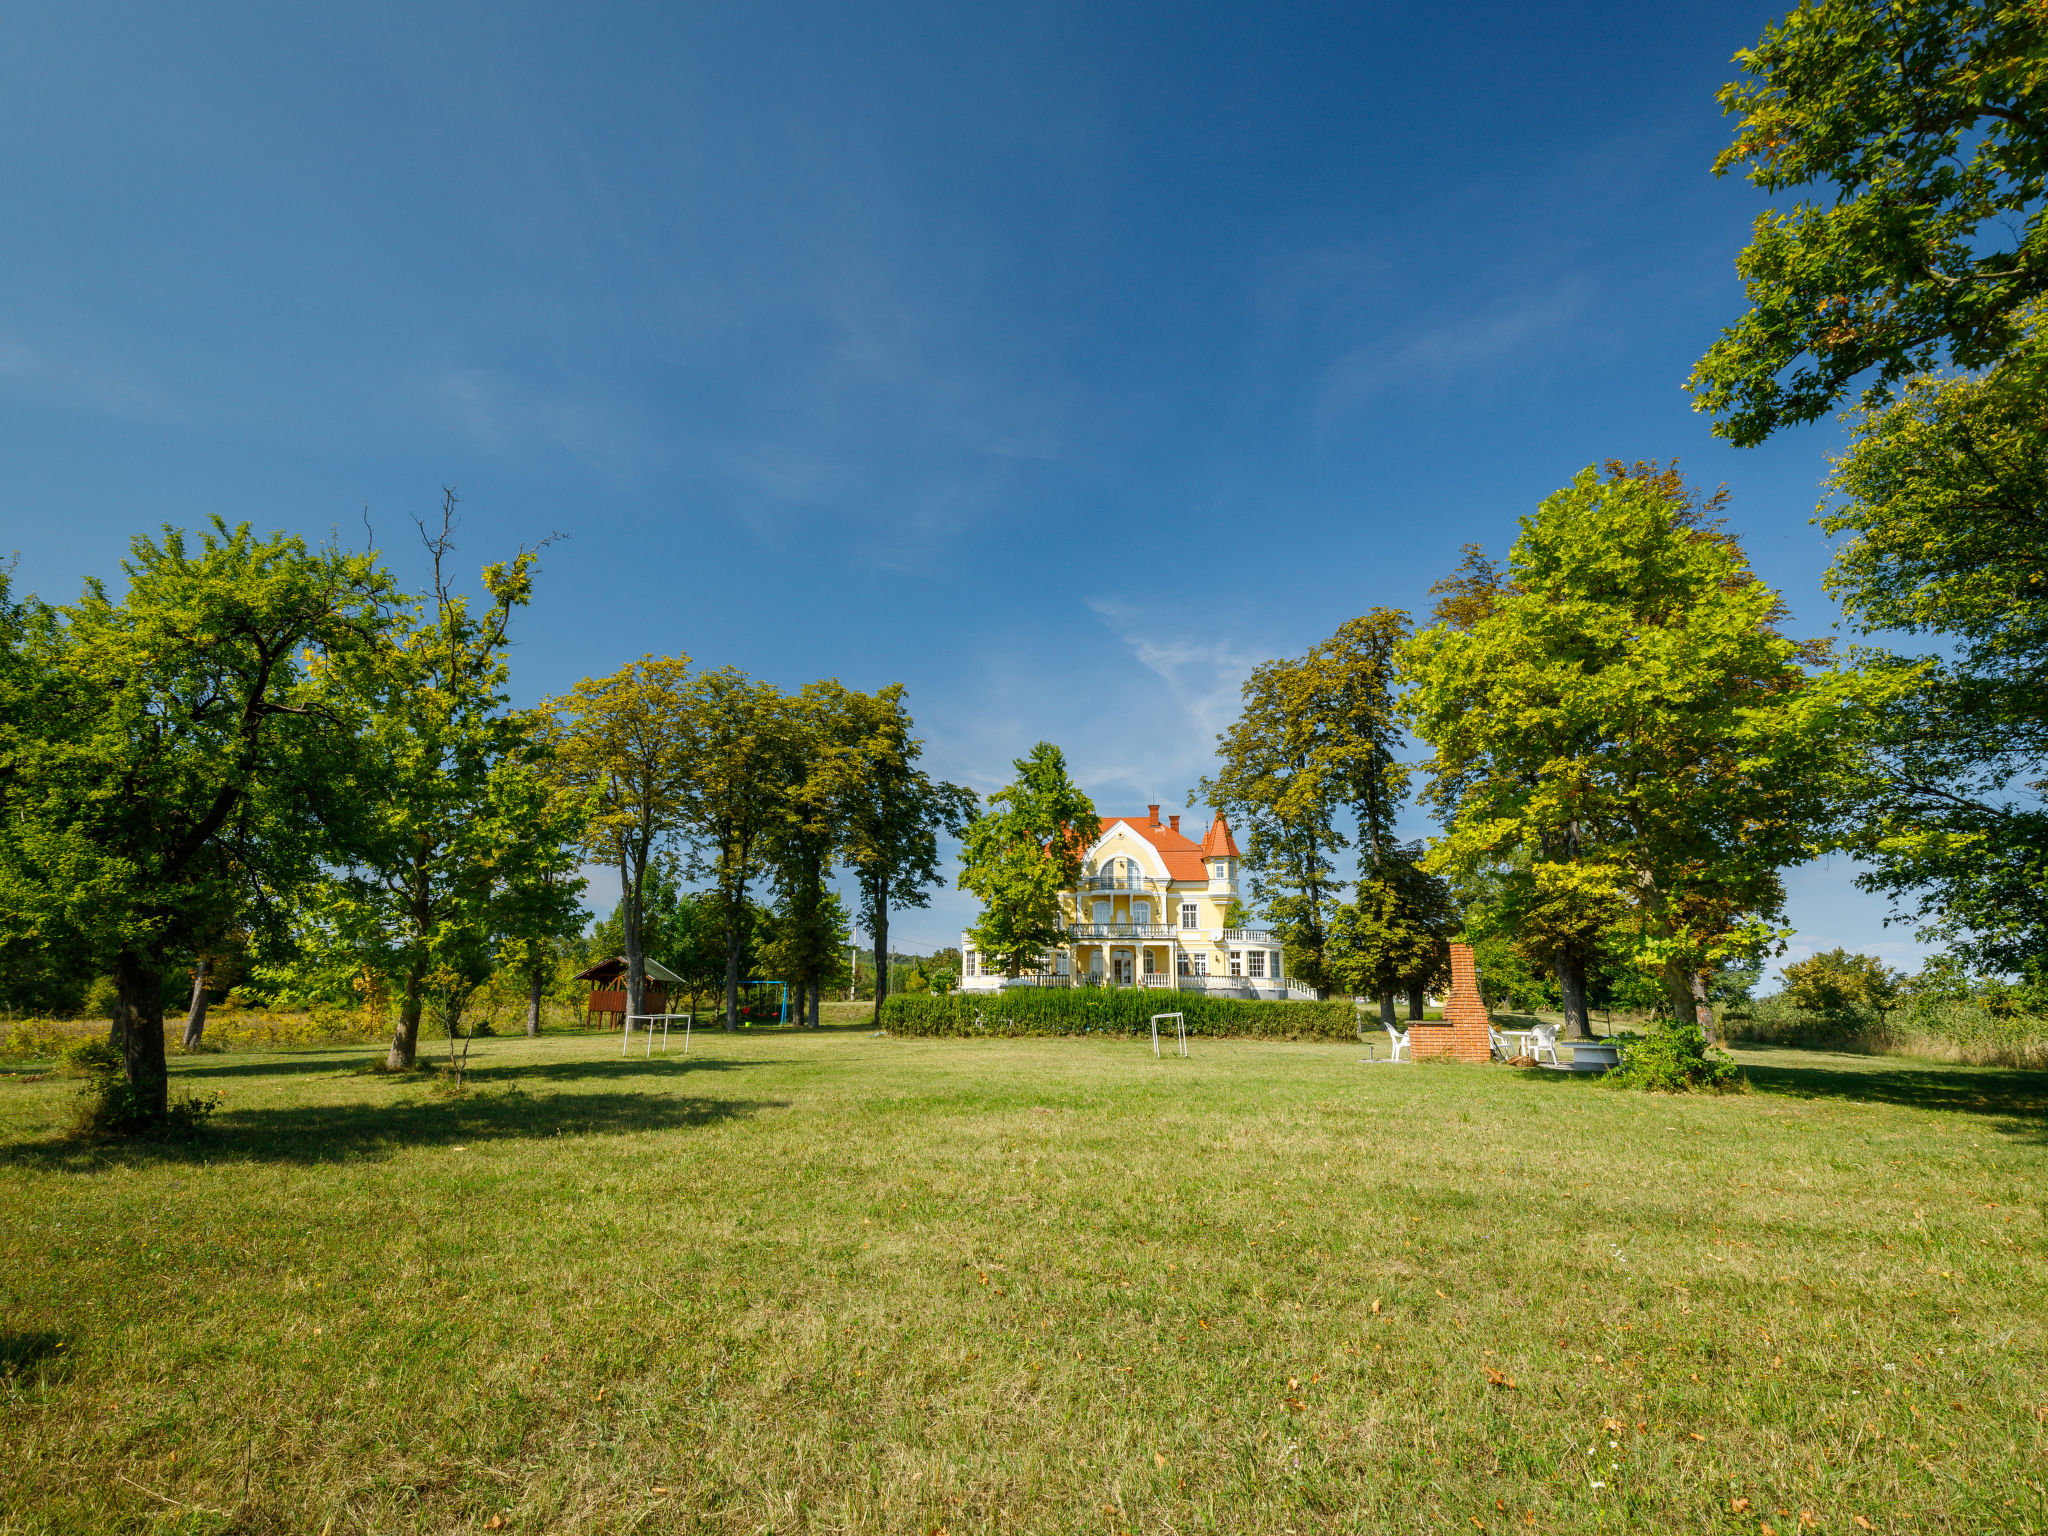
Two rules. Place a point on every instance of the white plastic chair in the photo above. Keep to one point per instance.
(1501, 1049)
(1545, 1040)
(1400, 1039)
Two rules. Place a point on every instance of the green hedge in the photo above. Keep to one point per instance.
(1111, 1011)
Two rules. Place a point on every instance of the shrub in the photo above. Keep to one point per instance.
(1675, 1059)
(110, 1105)
(1836, 981)
(92, 1057)
(1111, 1011)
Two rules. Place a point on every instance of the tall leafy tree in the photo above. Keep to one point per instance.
(1394, 935)
(1942, 501)
(1021, 855)
(467, 844)
(807, 837)
(623, 742)
(1928, 119)
(1284, 783)
(179, 771)
(743, 754)
(895, 813)
(1621, 730)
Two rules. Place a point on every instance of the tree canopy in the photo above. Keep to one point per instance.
(1620, 731)
(1929, 121)
(1022, 854)
(1942, 500)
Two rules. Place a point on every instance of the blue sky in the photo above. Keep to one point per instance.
(1060, 363)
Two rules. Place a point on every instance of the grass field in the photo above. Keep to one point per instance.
(837, 1282)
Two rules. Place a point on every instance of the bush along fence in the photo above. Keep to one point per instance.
(1112, 1011)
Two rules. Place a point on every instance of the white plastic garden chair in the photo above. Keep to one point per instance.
(1544, 1038)
(1501, 1049)
(1400, 1039)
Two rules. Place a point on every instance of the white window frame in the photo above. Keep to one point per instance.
(1190, 914)
(1201, 963)
(1255, 963)
(1236, 962)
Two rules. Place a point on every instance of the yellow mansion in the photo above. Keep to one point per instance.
(1150, 911)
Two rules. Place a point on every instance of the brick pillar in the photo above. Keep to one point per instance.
(1461, 1034)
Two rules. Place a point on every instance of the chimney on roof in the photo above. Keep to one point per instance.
(1155, 814)
(1175, 819)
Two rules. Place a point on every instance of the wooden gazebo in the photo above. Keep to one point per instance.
(608, 991)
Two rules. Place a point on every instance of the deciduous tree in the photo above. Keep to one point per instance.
(623, 742)
(1618, 722)
(742, 757)
(1929, 121)
(467, 842)
(1943, 498)
(895, 814)
(1022, 854)
(180, 773)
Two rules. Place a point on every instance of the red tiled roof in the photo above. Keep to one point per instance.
(1182, 857)
(1219, 843)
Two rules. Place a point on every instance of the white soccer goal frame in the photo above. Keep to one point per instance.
(1180, 1024)
(651, 1019)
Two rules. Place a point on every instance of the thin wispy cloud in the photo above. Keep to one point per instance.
(501, 417)
(1495, 338)
(1204, 679)
(82, 375)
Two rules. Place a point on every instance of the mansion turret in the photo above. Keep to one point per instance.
(1151, 910)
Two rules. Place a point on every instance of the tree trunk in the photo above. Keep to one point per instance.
(533, 1005)
(881, 954)
(195, 1016)
(1703, 1008)
(139, 1016)
(631, 874)
(817, 1000)
(1386, 1005)
(1418, 1001)
(405, 1040)
(732, 978)
(1571, 987)
(1678, 984)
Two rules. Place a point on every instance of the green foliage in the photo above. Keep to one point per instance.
(1316, 738)
(1675, 1059)
(1019, 1011)
(1023, 854)
(173, 767)
(92, 1057)
(893, 813)
(112, 1105)
(1836, 982)
(1942, 497)
(1925, 118)
(1624, 742)
(1396, 932)
(622, 744)
(466, 846)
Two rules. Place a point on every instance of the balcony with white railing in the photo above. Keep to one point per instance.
(1141, 884)
(1249, 936)
(1088, 933)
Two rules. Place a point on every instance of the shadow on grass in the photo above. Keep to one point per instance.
(286, 1061)
(612, 1069)
(331, 1133)
(2020, 1098)
(21, 1353)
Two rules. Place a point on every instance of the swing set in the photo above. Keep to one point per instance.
(751, 1009)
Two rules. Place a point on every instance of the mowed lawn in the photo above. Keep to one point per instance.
(837, 1282)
